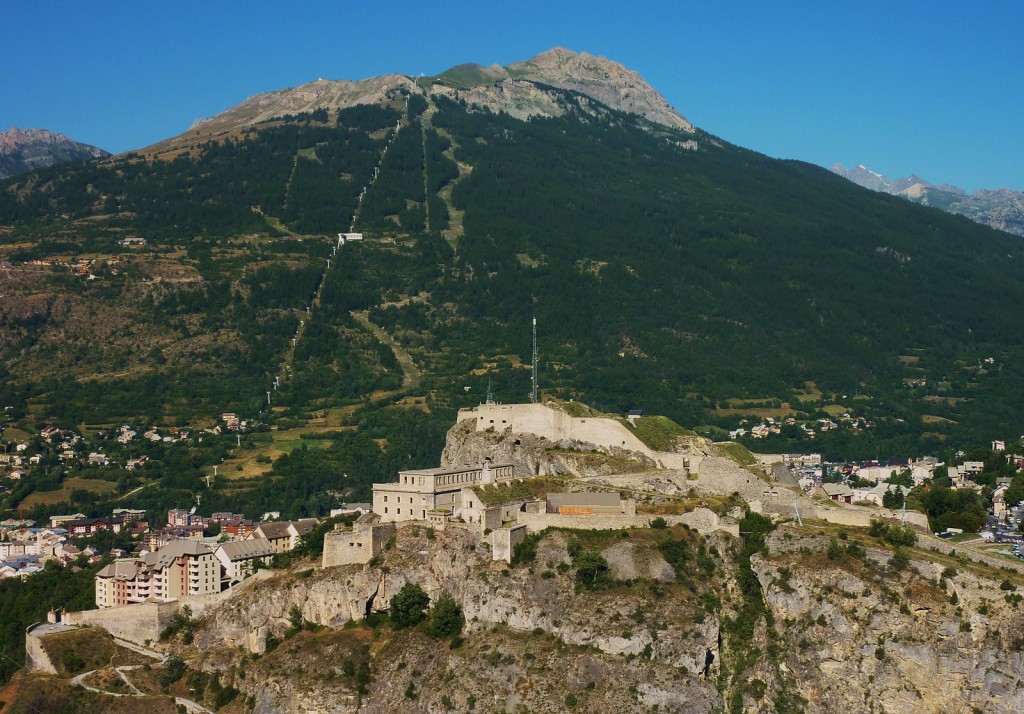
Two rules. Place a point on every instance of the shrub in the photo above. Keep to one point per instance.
(72, 662)
(659, 523)
(591, 569)
(1007, 585)
(571, 700)
(900, 560)
(834, 550)
(174, 669)
(446, 618)
(408, 606)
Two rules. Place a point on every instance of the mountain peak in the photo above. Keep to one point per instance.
(23, 150)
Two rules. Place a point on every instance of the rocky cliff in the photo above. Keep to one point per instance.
(24, 150)
(826, 620)
(523, 90)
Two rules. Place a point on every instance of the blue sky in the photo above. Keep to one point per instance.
(932, 88)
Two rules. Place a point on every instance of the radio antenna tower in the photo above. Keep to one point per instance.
(533, 376)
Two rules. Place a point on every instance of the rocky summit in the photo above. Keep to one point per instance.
(24, 150)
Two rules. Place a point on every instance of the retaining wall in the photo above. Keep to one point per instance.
(556, 425)
(702, 520)
(135, 623)
(36, 659)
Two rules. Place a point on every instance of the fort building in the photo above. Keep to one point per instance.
(420, 491)
(359, 544)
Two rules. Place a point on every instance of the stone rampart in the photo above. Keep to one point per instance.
(139, 623)
(556, 425)
(862, 517)
(36, 658)
(702, 520)
(504, 541)
(355, 546)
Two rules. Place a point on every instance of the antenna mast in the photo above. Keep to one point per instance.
(533, 376)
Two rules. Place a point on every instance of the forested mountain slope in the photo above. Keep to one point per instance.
(667, 269)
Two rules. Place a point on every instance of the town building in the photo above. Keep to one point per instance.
(239, 558)
(182, 568)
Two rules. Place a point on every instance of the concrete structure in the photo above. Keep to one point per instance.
(419, 491)
(239, 558)
(181, 568)
(359, 544)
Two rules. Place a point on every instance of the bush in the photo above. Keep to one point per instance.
(900, 560)
(446, 619)
(834, 550)
(72, 662)
(591, 569)
(571, 700)
(408, 606)
(174, 669)
(659, 523)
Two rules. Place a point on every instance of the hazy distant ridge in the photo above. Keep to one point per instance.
(1001, 208)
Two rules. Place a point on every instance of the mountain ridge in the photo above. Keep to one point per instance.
(25, 150)
(496, 87)
(1002, 209)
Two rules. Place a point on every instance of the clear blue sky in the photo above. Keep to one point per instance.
(933, 88)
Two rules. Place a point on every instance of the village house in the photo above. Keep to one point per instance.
(838, 492)
(283, 535)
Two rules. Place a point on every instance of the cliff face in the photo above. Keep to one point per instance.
(860, 637)
(24, 150)
(531, 454)
(643, 644)
(848, 633)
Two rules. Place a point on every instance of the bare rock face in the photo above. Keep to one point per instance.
(862, 636)
(607, 81)
(24, 150)
(530, 635)
(521, 90)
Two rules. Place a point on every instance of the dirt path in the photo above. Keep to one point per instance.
(410, 372)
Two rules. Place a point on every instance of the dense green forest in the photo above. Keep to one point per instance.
(675, 279)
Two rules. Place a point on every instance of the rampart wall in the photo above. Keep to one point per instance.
(702, 520)
(36, 658)
(556, 425)
(139, 623)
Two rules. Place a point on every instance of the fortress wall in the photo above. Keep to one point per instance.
(862, 517)
(135, 623)
(36, 659)
(702, 520)
(555, 425)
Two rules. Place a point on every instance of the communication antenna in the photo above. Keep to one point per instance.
(490, 394)
(533, 376)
